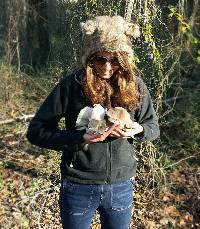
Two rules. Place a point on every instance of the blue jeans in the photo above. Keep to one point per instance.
(78, 203)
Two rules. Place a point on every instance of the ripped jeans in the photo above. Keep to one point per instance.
(78, 203)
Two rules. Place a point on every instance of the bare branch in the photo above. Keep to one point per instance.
(21, 118)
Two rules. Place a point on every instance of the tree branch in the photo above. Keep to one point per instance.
(21, 118)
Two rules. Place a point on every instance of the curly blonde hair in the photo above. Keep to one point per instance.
(119, 90)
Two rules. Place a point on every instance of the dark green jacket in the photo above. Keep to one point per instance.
(104, 162)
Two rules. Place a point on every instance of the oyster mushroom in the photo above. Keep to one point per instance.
(120, 116)
(97, 123)
(83, 118)
(92, 119)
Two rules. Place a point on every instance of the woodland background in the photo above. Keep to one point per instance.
(39, 43)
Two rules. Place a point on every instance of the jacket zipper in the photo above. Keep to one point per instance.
(108, 171)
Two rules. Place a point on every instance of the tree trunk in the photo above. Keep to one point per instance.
(2, 25)
(37, 33)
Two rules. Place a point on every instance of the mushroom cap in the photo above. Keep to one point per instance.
(120, 116)
(98, 112)
(83, 118)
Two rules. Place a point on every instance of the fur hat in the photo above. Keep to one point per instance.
(105, 33)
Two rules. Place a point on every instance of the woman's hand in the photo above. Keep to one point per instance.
(92, 138)
(119, 133)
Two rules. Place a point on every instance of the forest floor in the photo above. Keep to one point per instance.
(167, 192)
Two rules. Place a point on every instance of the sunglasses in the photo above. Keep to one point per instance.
(102, 60)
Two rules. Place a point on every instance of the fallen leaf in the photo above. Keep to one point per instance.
(151, 225)
(171, 211)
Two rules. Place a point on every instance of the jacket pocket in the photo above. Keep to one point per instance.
(123, 154)
(91, 159)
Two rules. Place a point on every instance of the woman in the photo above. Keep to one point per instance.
(100, 177)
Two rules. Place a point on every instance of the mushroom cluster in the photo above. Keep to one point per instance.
(97, 119)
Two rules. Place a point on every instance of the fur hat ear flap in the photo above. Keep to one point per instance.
(88, 27)
(132, 30)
